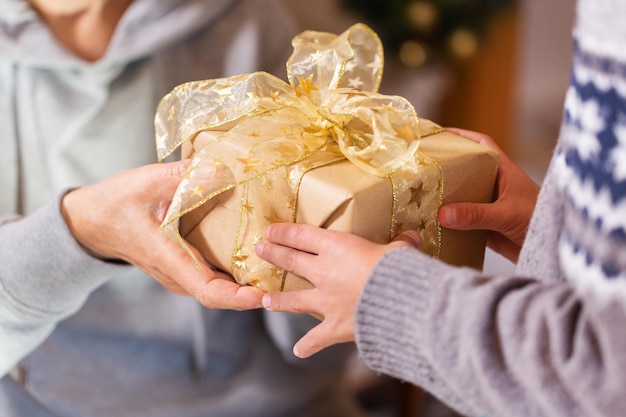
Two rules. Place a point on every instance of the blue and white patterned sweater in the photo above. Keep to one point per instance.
(591, 157)
(551, 339)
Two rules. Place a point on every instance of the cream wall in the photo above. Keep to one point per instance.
(544, 54)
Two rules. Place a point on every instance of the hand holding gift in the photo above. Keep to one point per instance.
(508, 217)
(337, 264)
(144, 193)
(326, 150)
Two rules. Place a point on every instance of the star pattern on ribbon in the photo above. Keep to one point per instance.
(417, 194)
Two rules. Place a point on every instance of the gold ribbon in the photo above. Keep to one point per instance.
(266, 134)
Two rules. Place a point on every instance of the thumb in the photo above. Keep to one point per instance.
(468, 216)
(410, 237)
(173, 172)
(162, 180)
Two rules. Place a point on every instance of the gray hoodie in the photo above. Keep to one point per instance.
(98, 339)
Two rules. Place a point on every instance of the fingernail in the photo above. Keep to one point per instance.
(296, 352)
(258, 249)
(447, 216)
(267, 302)
(415, 237)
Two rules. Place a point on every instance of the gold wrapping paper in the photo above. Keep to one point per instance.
(325, 149)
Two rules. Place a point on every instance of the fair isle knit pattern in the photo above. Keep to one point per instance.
(591, 160)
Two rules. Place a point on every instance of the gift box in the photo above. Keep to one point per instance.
(325, 150)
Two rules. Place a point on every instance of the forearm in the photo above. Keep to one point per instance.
(44, 277)
(492, 346)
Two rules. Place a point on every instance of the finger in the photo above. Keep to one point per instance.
(408, 237)
(298, 236)
(470, 216)
(505, 247)
(292, 260)
(477, 137)
(171, 285)
(222, 293)
(318, 338)
(292, 301)
(211, 288)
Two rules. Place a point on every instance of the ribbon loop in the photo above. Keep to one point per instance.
(324, 61)
(377, 133)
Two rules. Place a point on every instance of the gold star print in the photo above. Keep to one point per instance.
(265, 182)
(305, 86)
(316, 56)
(255, 134)
(170, 114)
(417, 193)
(239, 260)
(272, 218)
(252, 94)
(314, 129)
(247, 207)
(275, 271)
(254, 282)
(257, 239)
(250, 164)
(288, 149)
(421, 226)
(375, 65)
(277, 163)
(274, 95)
(198, 190)
(291, 202)
(286, 130)
(355, 82)
(217, 162)
(388, 106)
(405, 132)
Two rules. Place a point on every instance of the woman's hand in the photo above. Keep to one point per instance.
(338, 264)
(507, 218)
(119, 218)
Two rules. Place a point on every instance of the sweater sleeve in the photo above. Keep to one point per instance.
(45, 276)
(492, 346)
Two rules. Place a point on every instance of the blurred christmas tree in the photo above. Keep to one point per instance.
(421, 31)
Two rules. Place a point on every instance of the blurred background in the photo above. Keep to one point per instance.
(500, 67)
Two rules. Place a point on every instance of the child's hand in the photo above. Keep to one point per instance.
(508, 217)
(338, 264)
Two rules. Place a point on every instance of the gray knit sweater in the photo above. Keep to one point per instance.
(551, 340)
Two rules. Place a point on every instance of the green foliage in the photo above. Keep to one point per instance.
(432, 24)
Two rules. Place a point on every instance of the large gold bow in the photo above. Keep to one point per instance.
(264, 135)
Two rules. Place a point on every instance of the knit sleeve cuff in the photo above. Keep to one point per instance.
(392, 308)
(43, 270)
(395, 317)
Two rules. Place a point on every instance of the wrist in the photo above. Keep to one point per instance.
(70, 208)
